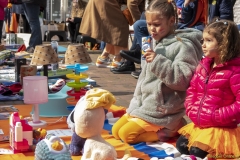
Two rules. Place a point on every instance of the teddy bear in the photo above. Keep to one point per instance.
(89, 119)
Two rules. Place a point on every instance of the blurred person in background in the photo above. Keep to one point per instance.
(3, 4)
(105, 21)
(32, 10)
(74, 22)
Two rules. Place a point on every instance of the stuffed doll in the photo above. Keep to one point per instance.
(39, 135)
(77, 142)
(89, 120)
(52, 148)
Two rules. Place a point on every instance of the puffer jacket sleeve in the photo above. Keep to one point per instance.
(191, 96)
(231, 112)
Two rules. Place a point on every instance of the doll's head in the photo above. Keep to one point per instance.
(89, 113)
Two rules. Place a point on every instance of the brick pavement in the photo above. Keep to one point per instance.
(121, 85)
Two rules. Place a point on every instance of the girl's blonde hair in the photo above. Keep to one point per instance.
(167, 8)
(227, 36)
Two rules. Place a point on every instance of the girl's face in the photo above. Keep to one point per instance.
(158, 25)
(210, 46)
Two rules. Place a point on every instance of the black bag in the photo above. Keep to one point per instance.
(84, 39)
(15, 1)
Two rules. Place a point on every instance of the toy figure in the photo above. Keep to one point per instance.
(89, 120)
(38, 135)
(77, 142)
(52, 148)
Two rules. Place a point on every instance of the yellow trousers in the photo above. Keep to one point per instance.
(132, 133)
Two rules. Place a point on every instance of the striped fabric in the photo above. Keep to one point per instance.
(157, 149)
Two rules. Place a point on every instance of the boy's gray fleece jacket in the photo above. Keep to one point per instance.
(161, 88)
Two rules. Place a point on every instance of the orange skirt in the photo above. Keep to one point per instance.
(220, 143)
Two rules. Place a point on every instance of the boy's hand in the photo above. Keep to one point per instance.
(149, 55)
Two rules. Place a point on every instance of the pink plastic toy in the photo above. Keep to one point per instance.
(21, 134)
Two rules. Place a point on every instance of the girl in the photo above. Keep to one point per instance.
(213, 98)
(156, 110)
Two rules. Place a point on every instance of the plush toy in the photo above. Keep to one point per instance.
(52, 148)
(77, 142)
(89, 120)
(38, 135)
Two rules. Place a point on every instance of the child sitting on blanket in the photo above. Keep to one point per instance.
(213, 98)
(156, 110)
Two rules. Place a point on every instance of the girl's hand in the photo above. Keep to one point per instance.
(71, 20)
(149, 55)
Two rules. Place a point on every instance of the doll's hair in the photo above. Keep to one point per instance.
(167, 8)
(227, 36)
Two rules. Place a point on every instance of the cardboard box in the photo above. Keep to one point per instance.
(2, 47)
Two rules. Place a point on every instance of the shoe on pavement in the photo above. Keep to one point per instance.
(136, 74)
(114, 64)
(103, 62)
(132, 55)
(123, 69)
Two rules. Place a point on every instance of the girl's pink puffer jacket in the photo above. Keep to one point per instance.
(213, 98)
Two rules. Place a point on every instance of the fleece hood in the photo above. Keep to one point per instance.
(191, 35)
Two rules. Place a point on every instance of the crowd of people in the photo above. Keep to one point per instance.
(193, 69)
